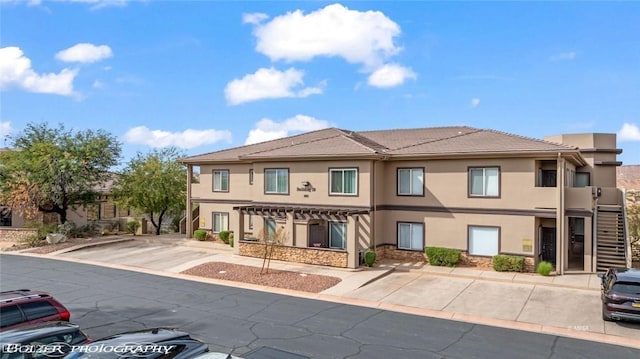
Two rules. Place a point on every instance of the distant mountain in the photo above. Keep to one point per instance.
(628, 177)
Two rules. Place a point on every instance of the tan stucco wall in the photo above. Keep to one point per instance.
(315, 172)
(447, 184)
(451, 230)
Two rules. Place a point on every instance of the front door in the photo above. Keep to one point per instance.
(317, 237)
(548, 250)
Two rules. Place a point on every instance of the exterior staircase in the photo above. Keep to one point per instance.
(195, 220)
(612, 247)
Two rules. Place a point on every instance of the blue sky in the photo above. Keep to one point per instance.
(208, 75)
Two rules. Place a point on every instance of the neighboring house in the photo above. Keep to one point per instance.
(336, 193)
(105, 212)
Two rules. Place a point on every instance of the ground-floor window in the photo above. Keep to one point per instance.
(220, 222)
(484, 241)
(411, 236)
(337, 235)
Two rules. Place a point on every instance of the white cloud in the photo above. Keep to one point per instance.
(254, 18)
(267, 129)
(84, 53)
(474, 102)
(268, 83)
(97, 84)
(16, 71)
(5, 129)
(563, 56)
(390, 75)
(187, 139)
(629, 132)
(364, 37)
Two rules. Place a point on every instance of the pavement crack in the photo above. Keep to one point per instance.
(553, 347)
(462, 335)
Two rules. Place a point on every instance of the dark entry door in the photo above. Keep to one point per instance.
(317, 237)
(548, 251)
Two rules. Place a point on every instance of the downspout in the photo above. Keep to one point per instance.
(372, 220)
(560, 232)
(189, 214)
(627, 242)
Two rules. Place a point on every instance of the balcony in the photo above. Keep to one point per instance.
(579, 198)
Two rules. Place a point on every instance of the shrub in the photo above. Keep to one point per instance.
(33, 240)
(88, 230)
(369, 257)
(68, 229)
(224, 236)
(231, 240)
(439, 256)
(45, 229)
(506, 263)
(132, 227)
(544, 268)
(200, 234)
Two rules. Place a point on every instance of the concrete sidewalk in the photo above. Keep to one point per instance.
(561, 305)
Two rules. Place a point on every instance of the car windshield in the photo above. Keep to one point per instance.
(627, 288)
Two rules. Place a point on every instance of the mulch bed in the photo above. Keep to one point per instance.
(312, 283)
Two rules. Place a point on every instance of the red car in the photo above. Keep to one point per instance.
(23, 307)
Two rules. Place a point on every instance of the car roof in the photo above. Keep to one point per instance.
(145, 335)
(37, 330)
(9, 296)
(627, 274)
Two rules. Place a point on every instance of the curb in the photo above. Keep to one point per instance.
(85, 245)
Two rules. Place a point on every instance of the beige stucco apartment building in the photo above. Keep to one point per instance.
(335, 193)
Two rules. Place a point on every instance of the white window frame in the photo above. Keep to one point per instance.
(344, 235)
(485, 183)
(223, 216)
(218, 184)
(409, 172)
(477, 241)
(411, 226)
(276, 171)
(341, 171)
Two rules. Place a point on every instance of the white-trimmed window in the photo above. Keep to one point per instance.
(276, 180)
(411, 236)
(337, 235)
(220, 222)
(484, 241)
(251, 176)
(410, 181)
(484, 182)
(221, 180)
(343, 181)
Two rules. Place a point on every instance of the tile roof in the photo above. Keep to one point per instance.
(333, 142)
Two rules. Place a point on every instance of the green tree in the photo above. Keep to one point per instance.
(52, 170)
(154, 184)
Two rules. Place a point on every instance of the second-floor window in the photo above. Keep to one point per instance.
(276, 180)
(221, 180)
(484, 182)
(344, 181)
(582, 179)
(410, 181)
